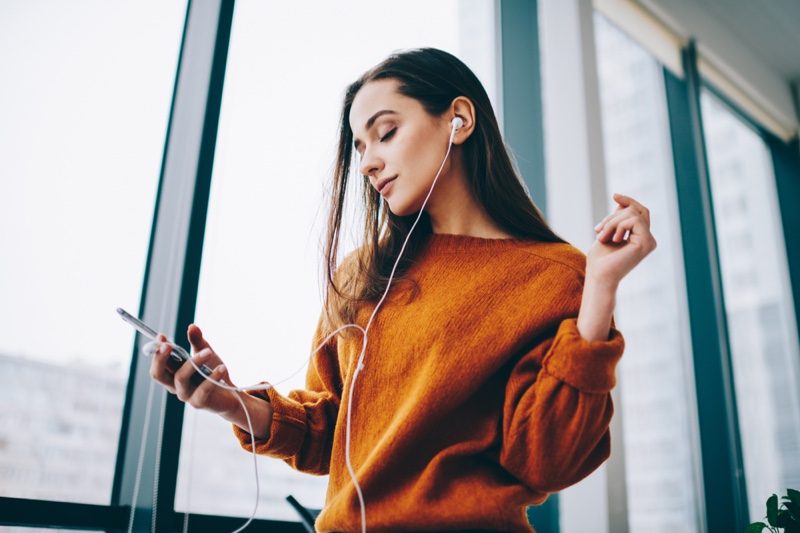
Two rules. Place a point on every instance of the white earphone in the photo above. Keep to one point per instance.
(457, 123)
(151, 348)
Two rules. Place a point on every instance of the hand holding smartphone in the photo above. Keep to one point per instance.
(178, 353)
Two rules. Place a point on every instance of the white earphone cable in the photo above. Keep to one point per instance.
(359, 367)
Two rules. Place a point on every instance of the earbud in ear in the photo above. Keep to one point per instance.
(457, 123)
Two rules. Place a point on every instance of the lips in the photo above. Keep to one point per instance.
(382, 183)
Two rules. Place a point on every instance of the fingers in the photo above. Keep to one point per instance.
(624, 202)
(192, 387)
(627, 201)
(201, 395)
(183, 379)
(186, 377)
(610, 230)
(631, 230)
(630, 216)
(196, 339)
(623, 229)
(162, 366)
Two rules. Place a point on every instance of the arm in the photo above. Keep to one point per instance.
(610, 259)
(558, 399)
(297, 428)
(557, 405)
(303, 422)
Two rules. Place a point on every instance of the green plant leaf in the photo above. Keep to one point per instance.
(794, 496)
(794, 510)
(772, 510)
(755, 527)
(785, 519)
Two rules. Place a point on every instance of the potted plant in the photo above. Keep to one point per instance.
(785, 517)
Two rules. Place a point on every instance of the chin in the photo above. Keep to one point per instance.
(403, 209)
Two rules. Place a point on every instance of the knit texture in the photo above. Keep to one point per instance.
(478, 397)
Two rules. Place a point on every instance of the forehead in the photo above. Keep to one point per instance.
(376, 96)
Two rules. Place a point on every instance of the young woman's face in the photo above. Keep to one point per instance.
(401, 145)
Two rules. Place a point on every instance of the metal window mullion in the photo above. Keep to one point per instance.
(521, 84)
(786, 165)
(523, 132)
(724, 490)
(172, 272)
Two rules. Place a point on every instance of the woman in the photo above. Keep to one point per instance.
(488, 356)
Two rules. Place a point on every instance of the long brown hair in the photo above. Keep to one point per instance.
(434, 78)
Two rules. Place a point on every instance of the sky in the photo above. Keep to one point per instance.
(86, 94)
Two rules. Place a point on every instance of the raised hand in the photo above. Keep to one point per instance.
(623, 241)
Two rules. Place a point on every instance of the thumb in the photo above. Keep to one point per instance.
(196, 339)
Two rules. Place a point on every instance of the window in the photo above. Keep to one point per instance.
(86, 97)
(758, 302)
(655, 375)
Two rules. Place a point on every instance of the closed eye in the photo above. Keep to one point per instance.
(388, 135)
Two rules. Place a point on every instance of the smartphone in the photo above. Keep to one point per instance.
(178, 353)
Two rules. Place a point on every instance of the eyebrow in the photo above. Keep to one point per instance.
(371, 122)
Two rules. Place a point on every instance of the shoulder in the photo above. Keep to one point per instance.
(561, 258)
(554, 273)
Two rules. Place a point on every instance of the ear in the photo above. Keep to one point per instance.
(462, 107)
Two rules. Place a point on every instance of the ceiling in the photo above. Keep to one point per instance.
(769, 28)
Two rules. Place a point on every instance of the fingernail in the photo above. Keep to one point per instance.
(221, 368)
(598, 227)
(203, 354)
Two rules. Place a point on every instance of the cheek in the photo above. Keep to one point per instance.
(426, 151)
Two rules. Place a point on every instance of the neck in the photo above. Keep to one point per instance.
(454, 210)
(469, 220)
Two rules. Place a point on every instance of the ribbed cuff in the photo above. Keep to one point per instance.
(586, 366)
(288, 430)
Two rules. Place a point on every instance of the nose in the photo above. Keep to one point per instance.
(370, 164)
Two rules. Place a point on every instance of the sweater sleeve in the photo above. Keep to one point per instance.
(558, 404)
(303, 422)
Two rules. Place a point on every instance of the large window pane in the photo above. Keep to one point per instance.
(86, 90)
(260, 297)
(655, 376)
(758, 303)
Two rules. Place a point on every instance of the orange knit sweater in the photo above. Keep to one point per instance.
(478, 397)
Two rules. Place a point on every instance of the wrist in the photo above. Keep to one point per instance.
(260, 411)
(598, 283)
(597, 308)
